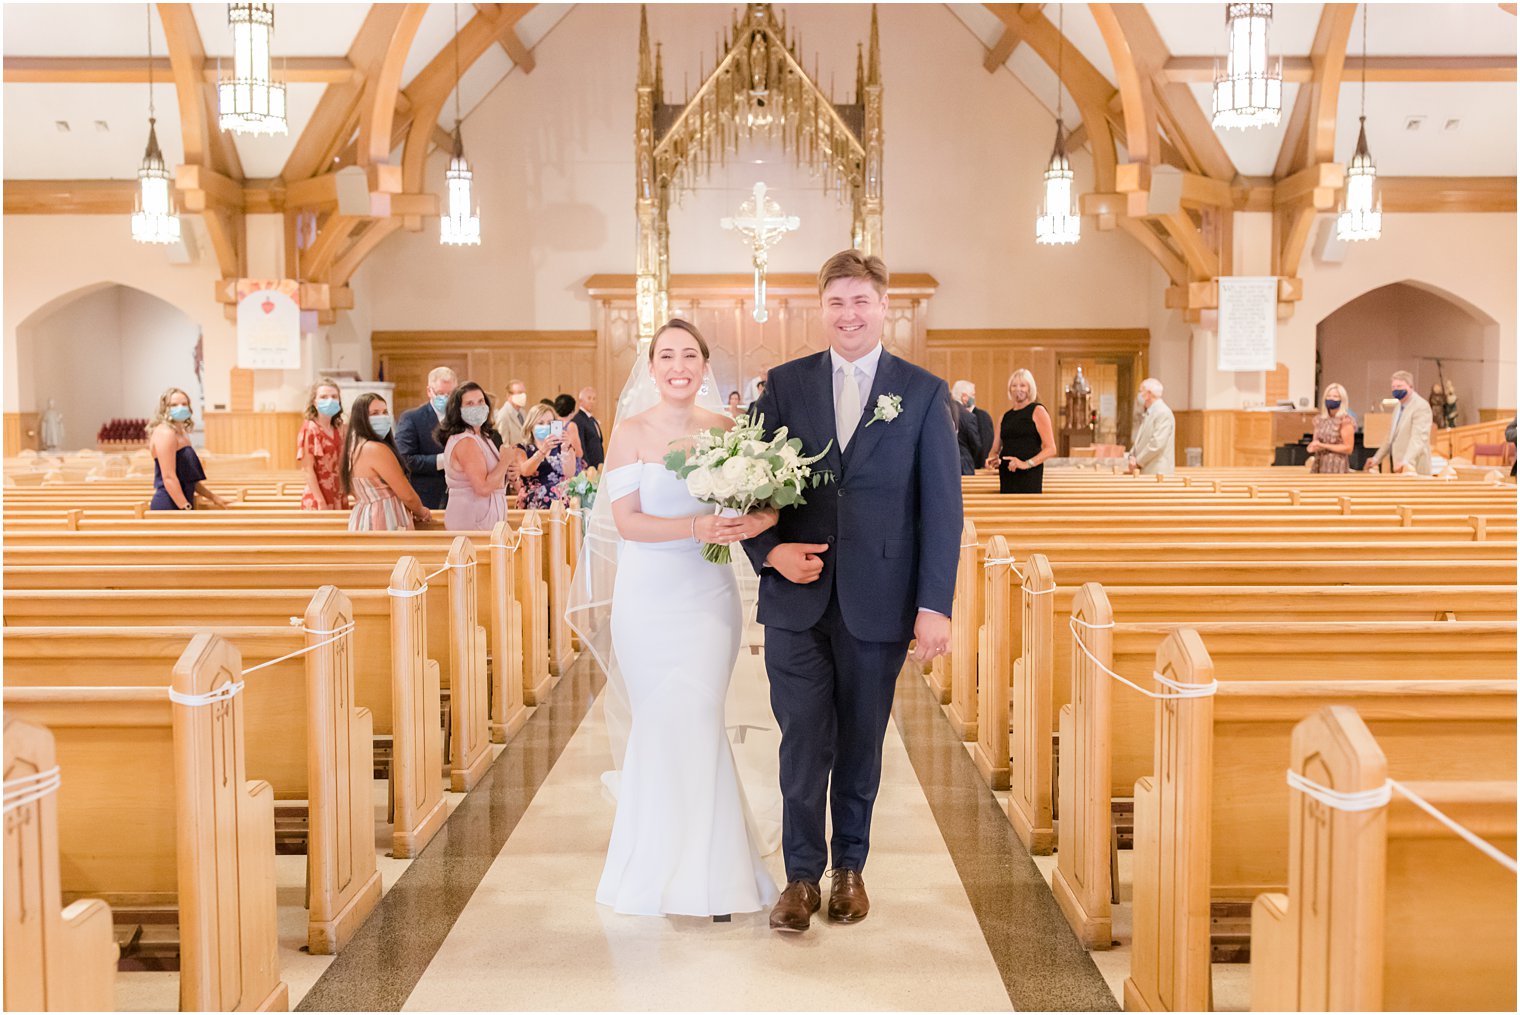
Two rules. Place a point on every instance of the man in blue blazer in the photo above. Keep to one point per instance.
(850, 577)
(419, 448)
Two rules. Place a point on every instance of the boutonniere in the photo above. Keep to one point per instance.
(888, 407)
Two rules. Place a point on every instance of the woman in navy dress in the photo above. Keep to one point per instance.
(177, 472)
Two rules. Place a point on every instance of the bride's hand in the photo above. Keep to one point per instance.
(714, 529)
(751, 525)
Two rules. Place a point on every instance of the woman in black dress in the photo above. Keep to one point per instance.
(1024, 440)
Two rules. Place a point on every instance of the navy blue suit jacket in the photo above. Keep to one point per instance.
(892, 516)
(420, 450)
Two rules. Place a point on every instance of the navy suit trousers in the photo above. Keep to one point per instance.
(832, 694)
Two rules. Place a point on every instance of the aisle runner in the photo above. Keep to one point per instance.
(533, 938)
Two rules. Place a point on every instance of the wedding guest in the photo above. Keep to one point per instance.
(1334, 434)
(564, 411)
(513, 413)
(544, 461)
(1155, 451)
(967, 438)
(965, 393)
(588, 428)
(1026, 438)
(414, 439)
(474, 467)
(374, 473)
(735, 407)
(1408, 442)
(177, 472)
(319, 446)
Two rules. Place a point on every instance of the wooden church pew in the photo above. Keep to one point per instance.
(57, 957)
(1411, 918)
(188, 832)
(394, 678)
(1212, 822)
(306, 736)
(1106, 732)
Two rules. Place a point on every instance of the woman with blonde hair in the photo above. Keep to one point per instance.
(177, 471)
(1334, 434)
(319, 447)
(1024, 440)
(544, 459)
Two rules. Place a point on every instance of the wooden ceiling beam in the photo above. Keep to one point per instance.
(384, 82)
(1310, 138)
(132, 70)
(1404, 194)
(1014, 17)
(70, 197)
(1133, 69)
(1380, 69)
(205, 143)
(510, 42)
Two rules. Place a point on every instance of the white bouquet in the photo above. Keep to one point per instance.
(739, 470)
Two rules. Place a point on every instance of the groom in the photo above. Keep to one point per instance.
(850, 577)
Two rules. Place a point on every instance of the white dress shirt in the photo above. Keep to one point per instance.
(865, 372)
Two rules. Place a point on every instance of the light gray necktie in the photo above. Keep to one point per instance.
(847, 411)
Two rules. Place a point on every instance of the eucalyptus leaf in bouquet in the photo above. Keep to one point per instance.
(740, 470)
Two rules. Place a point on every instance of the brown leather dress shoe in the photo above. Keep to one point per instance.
(847, 898)
(794, 911)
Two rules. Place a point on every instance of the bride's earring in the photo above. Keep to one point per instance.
(703, 389)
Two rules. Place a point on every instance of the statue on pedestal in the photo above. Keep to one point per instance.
(51, 426)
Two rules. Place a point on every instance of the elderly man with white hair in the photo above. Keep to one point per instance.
(1154, 452)
(964, 392)
(419, 447)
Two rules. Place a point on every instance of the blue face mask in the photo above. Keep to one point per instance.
(179, 413)
(1400, 393)
(328, 406)
(1332, 404)
(440, 402)
(542, 432)
(381, 425)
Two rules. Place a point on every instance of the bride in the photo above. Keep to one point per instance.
(682, 839)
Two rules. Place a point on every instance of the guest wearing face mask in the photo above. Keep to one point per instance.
(178, 476)
(414, 439)
(544, 460)
(473, 466)
(374, 473)
(1334, 434)
(964, 392)
(319, 446)
(513, 414)
(1408, 444)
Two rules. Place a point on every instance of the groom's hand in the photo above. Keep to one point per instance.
(931, 632)
(799, 563)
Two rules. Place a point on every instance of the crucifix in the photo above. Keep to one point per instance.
(761, 223)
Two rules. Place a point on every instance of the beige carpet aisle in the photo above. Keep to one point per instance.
(532, 936)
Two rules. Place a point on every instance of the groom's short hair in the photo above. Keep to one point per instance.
(853, 264)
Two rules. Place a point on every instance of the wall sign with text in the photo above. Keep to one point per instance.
(268, 324)
(1247, 323)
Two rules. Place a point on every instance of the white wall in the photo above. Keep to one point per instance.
(553, 158)
(108, 355)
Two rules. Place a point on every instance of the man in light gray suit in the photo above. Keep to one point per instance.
(1408, 443)
(1154, 453)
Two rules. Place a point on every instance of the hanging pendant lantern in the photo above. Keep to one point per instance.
(1249, 92)
(251, 101)
(1361, 213)
(1058, 221)
(153, 216)
(461, 225)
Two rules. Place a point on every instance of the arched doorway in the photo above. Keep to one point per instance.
(1411, 326)
(106, 351)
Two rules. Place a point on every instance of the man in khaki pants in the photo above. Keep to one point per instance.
(1154, 453)
(1408, 441)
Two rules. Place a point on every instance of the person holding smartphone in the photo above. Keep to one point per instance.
(545, 459)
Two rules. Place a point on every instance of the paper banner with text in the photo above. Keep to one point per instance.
(1247, 323)
(268, 324)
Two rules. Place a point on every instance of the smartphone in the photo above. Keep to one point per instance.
(557, 427)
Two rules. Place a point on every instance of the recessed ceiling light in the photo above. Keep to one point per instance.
(101, 127)
(62, 125)
(1452, 124)
(1414, 122)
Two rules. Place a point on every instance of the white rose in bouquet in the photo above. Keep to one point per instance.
(740, 470)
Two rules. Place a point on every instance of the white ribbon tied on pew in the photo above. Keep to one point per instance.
(337, 634)
(28, 789)
(1177, 690)
(1379, 796)
(516, 542)
(1012, 566)
(420, 589)
(231, 689)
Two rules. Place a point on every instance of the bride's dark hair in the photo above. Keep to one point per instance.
(686, 326)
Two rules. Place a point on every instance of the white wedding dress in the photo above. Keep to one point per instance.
(683, 840)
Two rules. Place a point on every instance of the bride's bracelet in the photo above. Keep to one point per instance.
(694, 538)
